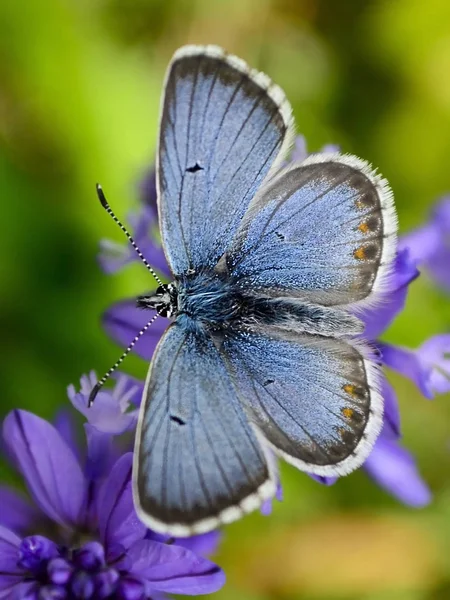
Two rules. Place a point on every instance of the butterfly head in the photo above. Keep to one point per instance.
(164, 300)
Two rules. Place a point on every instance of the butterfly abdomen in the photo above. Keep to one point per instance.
(295, 315)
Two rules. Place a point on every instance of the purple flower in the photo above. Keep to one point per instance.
(83, 539)
(109, 413)
(429, 245)
(428, 367)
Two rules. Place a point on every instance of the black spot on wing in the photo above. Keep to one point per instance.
(194, 169)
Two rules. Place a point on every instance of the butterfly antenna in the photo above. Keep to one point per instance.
(106, 206)
(95, 390)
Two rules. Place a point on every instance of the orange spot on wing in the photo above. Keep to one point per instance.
(349, 389)
(347, 412)
(360, 253)
(364, 228)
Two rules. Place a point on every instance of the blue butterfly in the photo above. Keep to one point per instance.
(271, 267)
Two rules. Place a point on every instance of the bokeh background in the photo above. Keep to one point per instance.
(80, 82)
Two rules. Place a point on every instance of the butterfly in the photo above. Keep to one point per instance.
(272, 267)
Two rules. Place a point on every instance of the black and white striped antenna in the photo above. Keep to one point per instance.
(107, 375)
(106, 206)
(95, 390)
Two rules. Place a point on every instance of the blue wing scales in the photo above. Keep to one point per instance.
(323, 231)
(223, 127)
(316, 400)
(198, 461)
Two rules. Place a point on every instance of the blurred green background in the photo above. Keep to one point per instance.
(80, 82)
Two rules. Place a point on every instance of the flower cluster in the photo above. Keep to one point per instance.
(82, 537)
(389, 464)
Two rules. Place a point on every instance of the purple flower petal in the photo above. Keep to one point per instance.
(434, 356)
(323, 480)
(441, 213)
(330, 149)
(428, 366)
(391, 411)
(421, 244)
(154, 255)
(123, 321)
(10, 573)
(378, 318)
(148, 193)
(430, 245)
(24, 591)
(9, 549)
(174, 569)
(101, 454)
(266, 507)
(52, 473)
(393, 468)
(300, 150)
(204, 544)
(132, 389)
(65, 426)
(114, 256)
(439, 267)
(16, 512)
(108, 413)
(117, 519)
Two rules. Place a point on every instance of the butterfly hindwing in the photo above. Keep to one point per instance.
(198, 461)
(223, 127)
(316, 400)
(323, 231)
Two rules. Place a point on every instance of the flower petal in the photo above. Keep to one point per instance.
(323, 480)
(154, 255)
(421, 243)
(10, 573)
(428, 366)
(391, 411)
(300, 150)
(24, 591)
(174, 569)
(124, 320)
(430, 244)
(51, 471)
(117, 519)
(65, 425)
(393, 468)
(113, 256)
(439, 268)
(148, 193)
(405, 362)
(378, 318)
(101, 454)
(109, 411)
(204, 544)
(16, 512)
(435, 354)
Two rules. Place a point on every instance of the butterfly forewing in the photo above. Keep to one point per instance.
(223, 127)
(197, 459)
(323, 231)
